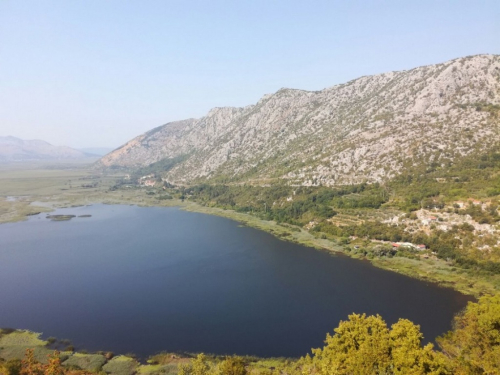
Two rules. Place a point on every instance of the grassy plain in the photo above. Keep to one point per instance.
(30, 188)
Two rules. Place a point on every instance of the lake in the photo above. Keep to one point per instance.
(144, 280)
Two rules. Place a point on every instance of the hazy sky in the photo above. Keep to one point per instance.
(97, 73)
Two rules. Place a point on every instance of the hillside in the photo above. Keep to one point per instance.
(401, 168)
(369, 129)
(16, 149)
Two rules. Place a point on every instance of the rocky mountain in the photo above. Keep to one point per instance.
(16, 149)
(368, 129)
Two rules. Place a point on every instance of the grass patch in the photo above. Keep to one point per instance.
(41, 353)
(121, 365)
(21, 338)
(171, 368)
(89, 362)
(267, 364)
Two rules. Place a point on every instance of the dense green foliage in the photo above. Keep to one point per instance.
(283, 203)
(365, 345)
(473, 346)
(202, 366)
(446, 244)
(428, 186)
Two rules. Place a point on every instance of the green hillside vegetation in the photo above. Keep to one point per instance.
(286, 204)
(362, 345)
(432, 186)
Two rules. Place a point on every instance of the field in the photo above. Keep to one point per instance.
(30, 188)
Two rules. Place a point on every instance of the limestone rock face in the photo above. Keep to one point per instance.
(368, 129)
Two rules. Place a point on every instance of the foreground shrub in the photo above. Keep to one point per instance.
(365, 345)
(202, 366)
(30, 366)
(473, 346)
(232, 366)
(121, 365)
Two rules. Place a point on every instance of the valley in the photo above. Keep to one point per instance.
(401, 170)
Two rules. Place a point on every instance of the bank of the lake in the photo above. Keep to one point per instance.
(180, 280)
(432, 270)
(15, 343)
(28, 190)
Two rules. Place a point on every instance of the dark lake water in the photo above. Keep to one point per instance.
(143, 280)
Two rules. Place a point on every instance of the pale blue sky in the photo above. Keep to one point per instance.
(97, 73)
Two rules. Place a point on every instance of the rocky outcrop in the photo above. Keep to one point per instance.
(368, 129)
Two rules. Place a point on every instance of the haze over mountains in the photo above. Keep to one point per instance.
(16, 149)
(98, 151)
(368, 129)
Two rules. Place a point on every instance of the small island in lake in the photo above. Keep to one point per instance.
(60, 217)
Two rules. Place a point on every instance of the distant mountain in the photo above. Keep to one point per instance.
(16, 149)
(369, 129)
(98, 151)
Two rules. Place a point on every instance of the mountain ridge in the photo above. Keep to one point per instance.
(17, 149)
(367, 129)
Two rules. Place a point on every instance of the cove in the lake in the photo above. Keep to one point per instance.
(144, 280)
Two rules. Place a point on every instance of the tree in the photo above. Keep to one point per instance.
(364, 345)
(11, 367)
(202, 366)
(199, 366)
(408, 355)
(359, 346)
(30, 366)
(473, 346)
(232, 366)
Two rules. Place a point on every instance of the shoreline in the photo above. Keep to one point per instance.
(404, 266)
(286, 232)
(15, 342)
(438, 271)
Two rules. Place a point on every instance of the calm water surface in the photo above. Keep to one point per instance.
(143, 280)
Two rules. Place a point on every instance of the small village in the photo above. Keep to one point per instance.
(147, 181)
